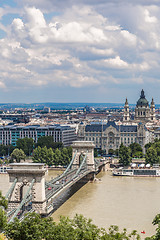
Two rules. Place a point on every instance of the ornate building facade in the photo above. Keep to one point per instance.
(111, 135)
(143, 112)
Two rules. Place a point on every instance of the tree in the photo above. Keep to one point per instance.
(18, 154)
(125, 155)
(136, 150)
(58, 157)
(151, 156)
(3, 207)
(6, 149)
(37, 155)
(33, 227)
(111, 151)
(48, 142)
(50, 157)
(116, 152)
(148, 145)
(26, 144)
(156, 221)
(95, 153)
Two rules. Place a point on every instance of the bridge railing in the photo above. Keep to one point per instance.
(63, 174)
(59, 178)
(62, 181)
(71, 175)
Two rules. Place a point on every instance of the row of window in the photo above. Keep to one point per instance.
(99, 134)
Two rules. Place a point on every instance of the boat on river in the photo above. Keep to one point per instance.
(137, 172)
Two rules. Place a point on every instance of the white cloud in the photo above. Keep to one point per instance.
(116, 63)
(131, 38)
(148, 18)
(18, 24)
(91, 43)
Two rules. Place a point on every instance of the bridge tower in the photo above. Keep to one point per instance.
(79, 150)
(23, 175)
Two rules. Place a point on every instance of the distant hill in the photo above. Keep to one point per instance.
(64, 106)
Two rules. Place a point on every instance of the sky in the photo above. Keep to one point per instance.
(79, 50)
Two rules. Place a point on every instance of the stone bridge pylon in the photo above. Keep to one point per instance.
(27, 177)
(80, 149)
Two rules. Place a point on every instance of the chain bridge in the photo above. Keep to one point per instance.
(30, 192)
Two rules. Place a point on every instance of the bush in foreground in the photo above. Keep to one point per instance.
(33, 227)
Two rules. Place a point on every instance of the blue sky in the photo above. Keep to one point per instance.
(79, 51)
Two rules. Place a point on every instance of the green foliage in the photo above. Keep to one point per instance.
(52, 157)
(79, 228)
(156, 221)
(47, 141)
(151, 156)
(125, 155)
(3, 219)
(6, 150)
(115, 234)
(116, 152)
(26, 144)
(148, 145)
(111, 151)
(3, 207)
(95, 153)
(136, 150)
(153, 152)
(18, 155)
(33, 227)
(3, 201)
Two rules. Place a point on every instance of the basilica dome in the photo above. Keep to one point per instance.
(142, 101)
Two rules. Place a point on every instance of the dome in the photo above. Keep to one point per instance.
(142, 101)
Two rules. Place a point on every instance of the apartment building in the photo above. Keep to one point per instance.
(11, 133)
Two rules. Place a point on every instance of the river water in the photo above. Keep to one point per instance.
(129, 202)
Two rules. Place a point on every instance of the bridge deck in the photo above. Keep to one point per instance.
(56, 187)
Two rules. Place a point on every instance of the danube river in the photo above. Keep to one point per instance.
(124, 201)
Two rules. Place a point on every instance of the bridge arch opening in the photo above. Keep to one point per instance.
(23, 191)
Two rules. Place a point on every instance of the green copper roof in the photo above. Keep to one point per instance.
(142, 101)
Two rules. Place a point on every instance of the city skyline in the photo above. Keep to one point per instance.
(88, 51)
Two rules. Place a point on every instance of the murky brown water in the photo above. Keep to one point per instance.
(123, 201)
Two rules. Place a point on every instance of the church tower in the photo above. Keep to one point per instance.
(152, 111)
(142, 110)
(126, 111)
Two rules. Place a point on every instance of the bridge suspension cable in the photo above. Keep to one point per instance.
(64, 173)
(70, 164)
(82, 164)
(8, 194)
(23, 201)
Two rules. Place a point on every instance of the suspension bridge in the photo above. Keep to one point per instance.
(29, 192)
